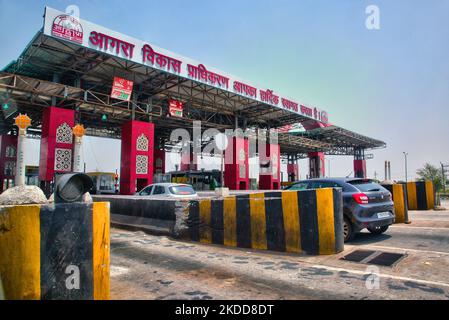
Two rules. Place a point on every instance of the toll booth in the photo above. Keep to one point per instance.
(201, 180)
(103, 182)
(359, 163)
(316, 165)
(32, 175)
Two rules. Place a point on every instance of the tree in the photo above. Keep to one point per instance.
(430, 172)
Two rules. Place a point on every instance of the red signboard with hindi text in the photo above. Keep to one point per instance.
(175, 108)
(122, 89)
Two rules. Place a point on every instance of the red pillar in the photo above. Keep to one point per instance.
(136, 167)
(159, 161)
(293, 171)
(8, 157)
(189, 161)
(360, 168)
(236, 169)
(56, 144)
(316, 159)
(316, 165)
(270, 168)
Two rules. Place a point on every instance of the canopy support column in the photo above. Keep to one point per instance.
(136, 167)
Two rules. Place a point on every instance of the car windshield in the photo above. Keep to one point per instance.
(298, 186)
(366, 185)
(182, 190)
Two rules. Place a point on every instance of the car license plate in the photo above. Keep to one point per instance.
(383, 214)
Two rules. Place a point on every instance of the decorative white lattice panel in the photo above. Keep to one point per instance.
(10, 168)
(242, 171)
(275, 173)
(63, 159)
(64, 133)
(242, 155)
(141, 164)
(10, 151)
(275, 164)
(142, 143)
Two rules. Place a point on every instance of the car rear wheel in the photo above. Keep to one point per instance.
(379, 230)
(348, 230)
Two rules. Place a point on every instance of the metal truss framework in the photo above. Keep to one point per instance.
(54, 72)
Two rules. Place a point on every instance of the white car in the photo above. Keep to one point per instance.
(172, 190)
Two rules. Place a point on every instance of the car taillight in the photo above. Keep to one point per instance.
(360, 198)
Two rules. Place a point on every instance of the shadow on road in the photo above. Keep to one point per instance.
(368, 238)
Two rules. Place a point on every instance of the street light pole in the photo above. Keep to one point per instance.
(405, 159)
(22, 121)
(443, 177)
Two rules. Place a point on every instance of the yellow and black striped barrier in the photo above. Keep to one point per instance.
(399, 195)
(288, 221)
(420, 195)
(56, 251)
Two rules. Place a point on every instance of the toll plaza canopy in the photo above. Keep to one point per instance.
(71, 63)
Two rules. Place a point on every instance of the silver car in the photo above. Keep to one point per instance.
(172, 190)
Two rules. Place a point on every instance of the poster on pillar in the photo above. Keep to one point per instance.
(175, 108)
(121, 89)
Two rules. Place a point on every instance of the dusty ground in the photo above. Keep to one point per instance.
(154, 267)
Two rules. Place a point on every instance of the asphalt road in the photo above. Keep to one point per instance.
(153, 267)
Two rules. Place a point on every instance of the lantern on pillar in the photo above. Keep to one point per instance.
(22, 121)
(78, 132)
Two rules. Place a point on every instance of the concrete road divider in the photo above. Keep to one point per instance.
(154, 215)
(55, 251)
(420, 195)
(289, 221)
(399, 194)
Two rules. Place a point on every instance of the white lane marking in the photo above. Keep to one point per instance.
(116, 271)
(399, 249)
(431, 228)
(384, 275)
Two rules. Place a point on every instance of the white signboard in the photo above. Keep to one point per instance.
(60, 25)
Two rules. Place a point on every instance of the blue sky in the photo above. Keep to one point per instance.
(391, 84)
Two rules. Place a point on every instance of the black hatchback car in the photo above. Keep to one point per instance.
(366, 204)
